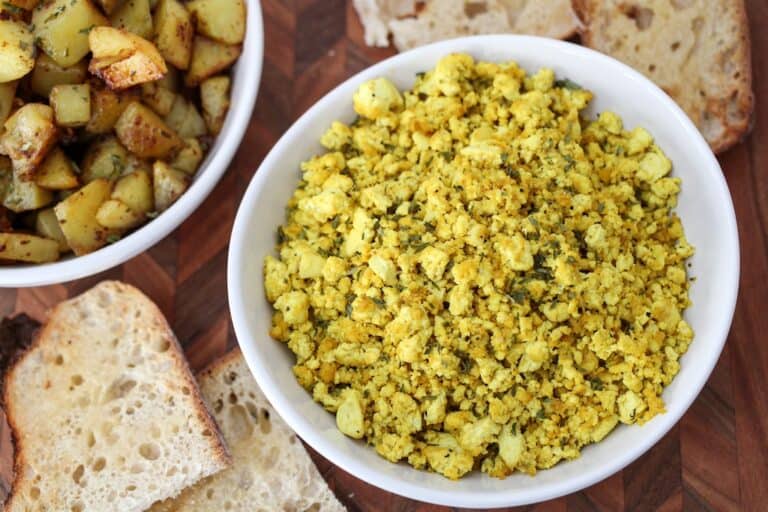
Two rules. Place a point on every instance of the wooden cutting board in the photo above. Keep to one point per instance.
(715, 459)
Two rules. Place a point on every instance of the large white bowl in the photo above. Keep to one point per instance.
(246, 75)
(704, 206)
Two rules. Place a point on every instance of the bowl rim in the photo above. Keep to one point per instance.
(238, 119)
(237, 289)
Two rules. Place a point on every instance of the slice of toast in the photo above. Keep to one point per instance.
(696, 50)
(271, 469)
(104, 410)
(415, 23)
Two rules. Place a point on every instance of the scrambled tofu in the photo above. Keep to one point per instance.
(474, 276)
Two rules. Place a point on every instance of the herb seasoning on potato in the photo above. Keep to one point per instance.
(474, 276)
(107, 110)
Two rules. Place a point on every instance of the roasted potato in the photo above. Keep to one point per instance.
(56, 172)
(145, 134)
(115, 214)
(184, 118)
(174, 29)
(123, 59)
(24, 196)
(47, 225)
(135, 191)
(157, 98)
(222, 20)
(105, 158)
(135, 17)
(29, 133)
(71, 104)
(17, 50)
(48, 73)
(77, 217)
(108, 6)
(189, 157)
(169, 184)
(16, 6)
(214, 95)
(106, 107)
(27, 248)
(208, 58)
(7, 93)
(62, 27)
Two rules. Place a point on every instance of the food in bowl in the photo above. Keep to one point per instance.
(475, 276)
(108, 111)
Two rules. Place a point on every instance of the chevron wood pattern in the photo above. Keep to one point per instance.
(715, 459)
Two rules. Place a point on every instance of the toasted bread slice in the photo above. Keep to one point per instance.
(696, 50)
(104, 410)
(415, 23)
(271, 469)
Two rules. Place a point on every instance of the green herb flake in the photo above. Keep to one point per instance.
(86, 30)
(567, 83)
(114, 237)
(14, 9)
(152, 215)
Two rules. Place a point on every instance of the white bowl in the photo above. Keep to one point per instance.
(246, 75)
(704, 206)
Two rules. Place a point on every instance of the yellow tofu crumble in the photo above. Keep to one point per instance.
(475, 276)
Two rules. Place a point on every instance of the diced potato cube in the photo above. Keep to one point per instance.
(29, 133)
(7, 94)
(106, 107)
(135, 17)
(171, 80)
(123, 59)
(56, 172)
(214, 95)
(47, 225)
(208, 58)
(184, 118)
(135, 191)
(105, 158)
(48, 73)
(169, 185)
(117, 215)
(108, 5)
(28, 248)
(174, 29)
(145, 134)
(17, 50)
(157, 98)
(222, 20)
(134, 163)
(23, 196)
(71, 104)
(77, 217)
(189, 157)
(62, 27)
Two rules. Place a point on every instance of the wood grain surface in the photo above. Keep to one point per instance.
(715, 459)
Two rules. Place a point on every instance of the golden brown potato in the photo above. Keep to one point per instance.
(123, 59)
(214, 95)
(28, 248)
(171, 80)
(62, 27)
(17, 50)
(23, 196)
(56, 172)
(48, 73)
(222, 20)
(47, 226)
(71, 104)
(135, 191)
(184, 118)
(135, 17)
(115, 214)
(145, 134)
(29, 133)
(7, 93)
(15, 5)
(108, 5)
(106, 107)
(105, 158)
(189, 157)
(77, 217)
(169, 184)
(157, 98)
(173, 26)
(208, 58)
